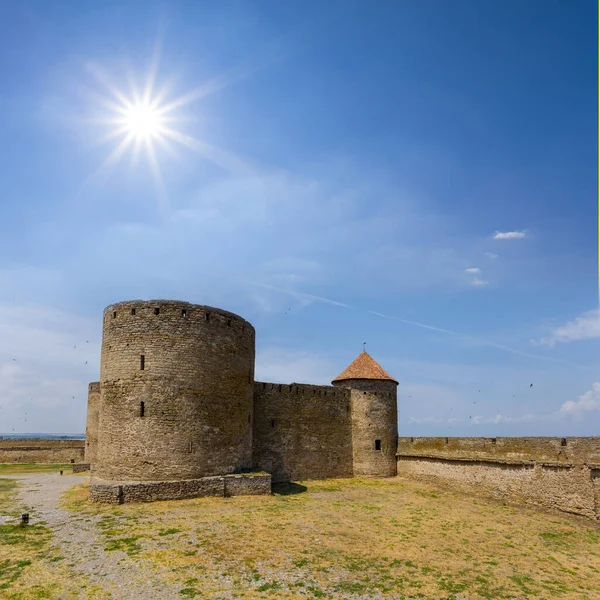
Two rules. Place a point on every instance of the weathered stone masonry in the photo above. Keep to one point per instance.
(41, 451)
(557, 473)
(302, 431)
(177, 406)
(91, 424)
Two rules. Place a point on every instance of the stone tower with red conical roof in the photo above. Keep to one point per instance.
(374, 412)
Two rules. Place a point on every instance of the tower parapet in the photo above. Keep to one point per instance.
(374, 410)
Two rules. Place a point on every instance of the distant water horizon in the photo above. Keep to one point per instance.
(42, 436)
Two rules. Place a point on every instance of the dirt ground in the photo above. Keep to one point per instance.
(352, 539)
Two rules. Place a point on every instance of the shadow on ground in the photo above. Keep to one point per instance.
(288, 489)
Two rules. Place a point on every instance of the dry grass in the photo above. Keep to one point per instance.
(30, 568)
(355, 539)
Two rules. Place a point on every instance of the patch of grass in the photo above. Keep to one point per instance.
(9, 468)
(124, 544)
(29, 565)
(351, 539)
(169, 531)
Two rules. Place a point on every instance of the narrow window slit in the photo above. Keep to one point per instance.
(115, 314)
(142, 362)
(207, 316)
(377, 444)
(184, 313)
(228, 322)
(133, 311)
(142, 408)
(272, 422)
(563, 442)
(157, 311)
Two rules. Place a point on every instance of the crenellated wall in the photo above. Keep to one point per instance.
(302, 431)
(29, 451)
(558, 473)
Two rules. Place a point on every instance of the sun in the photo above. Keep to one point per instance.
(142, 121)
(149, 120)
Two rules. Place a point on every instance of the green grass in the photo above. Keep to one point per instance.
(9, 468)
(30, 566)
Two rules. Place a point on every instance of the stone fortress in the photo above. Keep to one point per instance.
(177, 412)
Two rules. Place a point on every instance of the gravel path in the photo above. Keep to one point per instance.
(82, 545)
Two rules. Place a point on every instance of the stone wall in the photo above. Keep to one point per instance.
(302, 431)
(374, 410)
(568, 449)
(557, 473)
(91, 422)
(150, 491)
(176, 392)
(41, 451)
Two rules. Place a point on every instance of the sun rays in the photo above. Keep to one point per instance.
(150, 121)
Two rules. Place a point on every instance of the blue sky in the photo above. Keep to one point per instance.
(419, 176)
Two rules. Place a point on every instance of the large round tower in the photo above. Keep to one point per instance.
(374, 412)
(176, 392)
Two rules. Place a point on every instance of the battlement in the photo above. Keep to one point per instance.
(560, 473)
(576, 450)
(302, 431)
(177, 311)
(302, 389)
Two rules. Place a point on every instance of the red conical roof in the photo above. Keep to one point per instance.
(364, 367)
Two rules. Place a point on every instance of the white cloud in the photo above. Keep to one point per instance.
(473, 270)
(491, 255)
(588, 402)
(477, 281)
(509, 235)
(583, 327)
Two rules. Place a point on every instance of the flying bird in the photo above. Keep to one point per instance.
(531, 385)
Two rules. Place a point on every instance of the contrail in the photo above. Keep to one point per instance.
(301, 294)
(425, 326)
(480, 340)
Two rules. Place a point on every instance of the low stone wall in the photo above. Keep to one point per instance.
(27, 451)
(81, 467)
(544, 472)
(244, 484)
